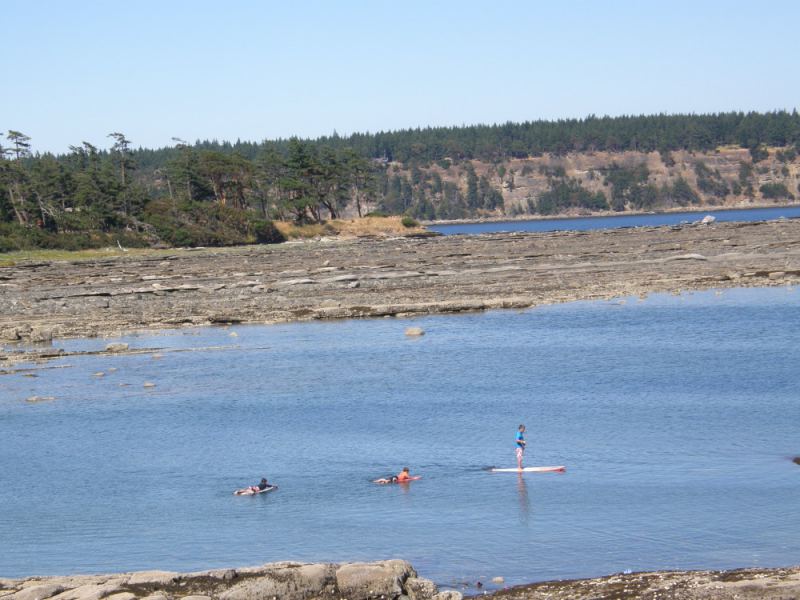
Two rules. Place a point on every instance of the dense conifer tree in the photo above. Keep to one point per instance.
(222, 192)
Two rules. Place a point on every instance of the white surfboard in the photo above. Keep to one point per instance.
(248, 491)
(558, 469)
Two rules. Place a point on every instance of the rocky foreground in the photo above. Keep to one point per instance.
(393, 580)
(328, 279)
(741, 584)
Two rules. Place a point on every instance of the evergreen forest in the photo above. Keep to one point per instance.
(215, 193)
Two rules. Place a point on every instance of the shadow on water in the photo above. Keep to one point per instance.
(524, 500)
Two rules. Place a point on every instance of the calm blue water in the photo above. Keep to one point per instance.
(676, 418)
(588, 223)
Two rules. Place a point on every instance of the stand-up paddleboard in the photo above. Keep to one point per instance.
(251, 492)
(559, 469)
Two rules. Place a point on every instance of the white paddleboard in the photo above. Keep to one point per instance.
(559, 469)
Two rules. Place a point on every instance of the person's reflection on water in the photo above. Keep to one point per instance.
(524, 502)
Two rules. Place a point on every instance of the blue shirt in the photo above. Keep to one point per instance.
(520, 440)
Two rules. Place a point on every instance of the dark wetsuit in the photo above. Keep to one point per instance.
(263, 485)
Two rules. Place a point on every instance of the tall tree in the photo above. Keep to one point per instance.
(97, 187)
(296, 184)
(361, 177)
(227, 174)
(185, 171)
(328, 178)
(22, 146)
(270, 169)
(53, 188)
(121, 151)
(15, 176)
(121, 155)
(472, 188)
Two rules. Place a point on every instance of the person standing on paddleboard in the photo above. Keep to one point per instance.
(520, 445)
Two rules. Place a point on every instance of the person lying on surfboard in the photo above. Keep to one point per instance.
(401, 477)
(254, 489)
(520, 446)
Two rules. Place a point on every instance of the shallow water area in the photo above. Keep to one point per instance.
(676, 417)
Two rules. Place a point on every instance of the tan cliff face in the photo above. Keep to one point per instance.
(588, 169)
(522, 181)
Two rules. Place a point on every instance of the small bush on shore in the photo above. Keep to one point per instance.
(204, 224)
(774, 191)
(409, 222)
(266, 233)
(15, 237)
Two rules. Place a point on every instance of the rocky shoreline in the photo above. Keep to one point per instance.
(391, 580)
(739, 584)
(336, 279)
(394, 580)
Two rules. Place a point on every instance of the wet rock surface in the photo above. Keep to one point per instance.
(399, 276)
(743, 584)
(387, 580)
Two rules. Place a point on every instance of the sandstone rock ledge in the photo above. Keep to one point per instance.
(346, 279)
(387, 580)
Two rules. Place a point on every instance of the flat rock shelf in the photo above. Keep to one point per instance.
(334, 279)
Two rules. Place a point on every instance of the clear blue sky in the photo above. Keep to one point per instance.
(196, 69)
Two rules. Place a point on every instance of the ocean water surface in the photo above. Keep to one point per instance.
(676, 418)
(618, 221)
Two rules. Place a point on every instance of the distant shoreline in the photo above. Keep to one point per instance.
(606, 214)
